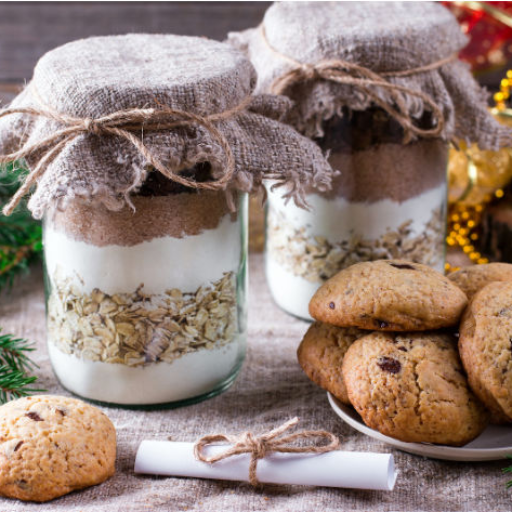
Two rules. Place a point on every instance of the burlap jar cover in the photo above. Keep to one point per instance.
(99, 112)
(398, 55)
(379, 87)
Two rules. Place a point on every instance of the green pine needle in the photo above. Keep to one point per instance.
(14, 353)
(508, 469)
(15, 384)
(15, 366)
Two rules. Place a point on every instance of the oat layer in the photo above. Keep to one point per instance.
(316, 259)
(137, 329)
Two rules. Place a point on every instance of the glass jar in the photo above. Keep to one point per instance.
(147, 306)
(145, 256)
(389, 201)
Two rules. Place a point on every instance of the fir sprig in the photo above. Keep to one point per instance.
(20, 234)
(20, 245)
(14, 353)
(14, 367)
(508, 469)
(15, 384)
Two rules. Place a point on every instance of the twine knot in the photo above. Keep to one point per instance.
(260, 446)
(92, 126)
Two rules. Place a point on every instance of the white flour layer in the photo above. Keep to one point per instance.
(337, 218)
(189, 376)
(162, 263)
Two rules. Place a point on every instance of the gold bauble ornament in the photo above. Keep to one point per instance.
(475, 175)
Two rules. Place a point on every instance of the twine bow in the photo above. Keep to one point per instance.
(364, 79)
(123, 124)
(259, 446)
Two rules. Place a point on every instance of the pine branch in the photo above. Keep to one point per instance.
(20, 245)
(20, 235)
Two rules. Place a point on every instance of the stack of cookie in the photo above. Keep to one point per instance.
(385, 341)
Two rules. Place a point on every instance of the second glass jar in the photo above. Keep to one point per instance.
(389, 201)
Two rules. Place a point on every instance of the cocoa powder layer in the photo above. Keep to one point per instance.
(388, 171)
(175, 215)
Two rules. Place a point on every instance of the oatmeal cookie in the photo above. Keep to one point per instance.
(412, 387)
(475, 277)
(389, 295)
(485, 344)
(321, 353)
(52, 445)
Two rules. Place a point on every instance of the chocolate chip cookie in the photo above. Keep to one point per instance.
(412, 387)
(321, 353)
(474, 278)
(389, 295)
(485, 345)
(52, 445)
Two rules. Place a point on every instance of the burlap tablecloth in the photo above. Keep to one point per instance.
(270, 389)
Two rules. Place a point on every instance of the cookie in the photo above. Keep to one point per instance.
(321, 353)
(52, 445)
(411, 387)
(388, 295)
(474, 278)
(485, 344)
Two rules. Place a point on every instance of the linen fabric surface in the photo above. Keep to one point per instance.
(270, 389)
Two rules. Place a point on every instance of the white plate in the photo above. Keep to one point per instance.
(494, 443)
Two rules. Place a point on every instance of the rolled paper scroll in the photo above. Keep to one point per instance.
(332, 469)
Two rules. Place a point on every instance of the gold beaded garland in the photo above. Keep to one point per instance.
(503, 95)
(475, 178)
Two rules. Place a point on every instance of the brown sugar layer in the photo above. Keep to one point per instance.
(175, 215)
(367, 148)
(389, 171)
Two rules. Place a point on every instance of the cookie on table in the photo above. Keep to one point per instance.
(474, 278)
(321, 354)
(389, 295)
(485, 344)
(411, 386)
(52, 445)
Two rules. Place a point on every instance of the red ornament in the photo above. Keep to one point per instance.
(489, 27)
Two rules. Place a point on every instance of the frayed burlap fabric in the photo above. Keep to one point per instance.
(409, 45)
(99, 112)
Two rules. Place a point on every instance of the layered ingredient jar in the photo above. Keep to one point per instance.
(389, 201)
(143, 167)
(382, 100)
(152, 296)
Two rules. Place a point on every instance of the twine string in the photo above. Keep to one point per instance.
(123, 124)
(364, 79)
(260, 446)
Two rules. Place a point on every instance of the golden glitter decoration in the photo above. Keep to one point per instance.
(475, 178)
